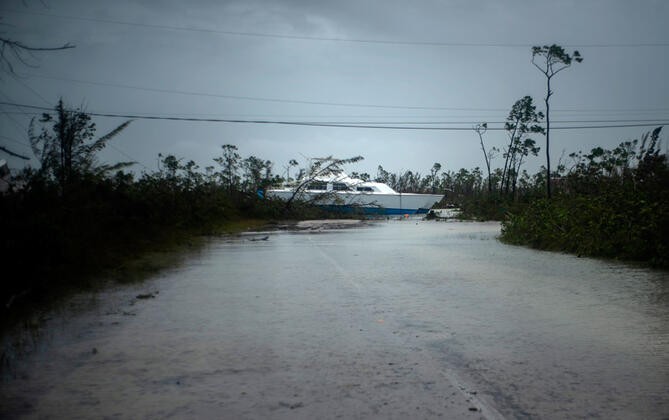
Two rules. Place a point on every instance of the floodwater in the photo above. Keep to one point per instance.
(394, 319)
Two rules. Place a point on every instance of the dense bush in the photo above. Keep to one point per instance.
(613, 204)
(54, 241)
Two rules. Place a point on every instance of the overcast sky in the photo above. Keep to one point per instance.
(377, 62)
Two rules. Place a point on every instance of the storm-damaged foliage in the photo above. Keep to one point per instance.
(324, 168)
(611, 203)
(229, 162)
(66, 148)
(523, 120)
(606, 203)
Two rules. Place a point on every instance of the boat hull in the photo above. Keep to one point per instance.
(372, 204)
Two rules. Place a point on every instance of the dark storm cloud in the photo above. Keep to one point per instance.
(177, 58)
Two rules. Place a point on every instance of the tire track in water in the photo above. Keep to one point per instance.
(340, 269)
(485, 408)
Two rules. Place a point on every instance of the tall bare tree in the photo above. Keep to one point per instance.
(550, 60)
(481, 129)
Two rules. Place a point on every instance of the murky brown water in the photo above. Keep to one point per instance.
(405, 319)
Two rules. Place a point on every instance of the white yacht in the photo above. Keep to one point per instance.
(343, 193)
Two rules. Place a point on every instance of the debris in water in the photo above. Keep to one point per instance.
(291, 406)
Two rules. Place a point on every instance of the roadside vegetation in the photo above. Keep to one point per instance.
(611, 204)
(605, 203)
(73, 221)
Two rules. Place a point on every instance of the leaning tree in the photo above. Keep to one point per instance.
(319, 168)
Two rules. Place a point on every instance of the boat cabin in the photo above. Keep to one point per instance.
(354, 186)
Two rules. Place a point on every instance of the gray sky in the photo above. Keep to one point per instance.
(383, 62)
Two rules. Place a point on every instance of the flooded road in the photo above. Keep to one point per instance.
(396, 319)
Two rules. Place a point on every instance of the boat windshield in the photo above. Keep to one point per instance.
(317, 185)
(339, 186)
